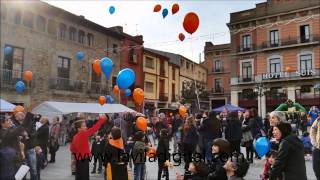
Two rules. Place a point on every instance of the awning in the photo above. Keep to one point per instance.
(51, 109)
(229, 107)
(5, 106)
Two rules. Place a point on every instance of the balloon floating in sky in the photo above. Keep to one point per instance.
(126, 77)
(106, 65)
(80, 55)
(262, 146)
(165, 13)
(112, 9)
(96, 67)
(27, 75)
(20, 86)
(102, 100)
(175, 8)
(138, 95)
(127, 93)
(109, 99)
(157, 8)
(191, 22)
(7, 50)
(181, 36)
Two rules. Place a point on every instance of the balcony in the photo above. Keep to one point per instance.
(163, 97)
(218, 70)
(9, 79)
(246, 49)
(66, 84)
(217, 90)
(290, 41)
(97, 88)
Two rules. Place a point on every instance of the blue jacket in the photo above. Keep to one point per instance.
(306, 142)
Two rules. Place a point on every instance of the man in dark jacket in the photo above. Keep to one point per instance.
(43, 137)
(233, 132)
(290, 158)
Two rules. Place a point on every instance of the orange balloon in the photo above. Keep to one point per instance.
(18, 109)
(96, 67)
(102, 100)
(182, 111)
(141, 123)
(27, 75)
(152, 152)
(191, 22)
(116, 90)
(175, 8)
(181, 36)
(138, 95)
(157, 8)
(289, 69)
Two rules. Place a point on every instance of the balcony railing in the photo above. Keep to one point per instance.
(9, 78)
(66, 84)
(163, 97)
(246, 48)
(291, 40)
(217, 90)
(217, 70)
(248, 78)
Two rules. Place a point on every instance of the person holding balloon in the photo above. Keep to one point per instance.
(290, 158)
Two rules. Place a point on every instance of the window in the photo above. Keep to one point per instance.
(63, 30)
(28, 19)
(90, 39)
(3, 11)
(274, 38)
(115, 49)
(173, 73)
(149, 63)
(149, 87)
(217, 66)
(52, 27)
(217, 85)
(72, 33)
(17, 17)
(63, 67)
(41, 23)
(305, 33)
(305, 62)
(14, 62)
(188, 65)
(81, 37)
(132, 56)
(114, 81)
(246, 71)
(182, 63)
(275, 65)
(246, 43)
(162, 68)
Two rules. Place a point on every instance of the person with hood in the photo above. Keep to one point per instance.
(210, 129)
(115, 164)
(290, 158)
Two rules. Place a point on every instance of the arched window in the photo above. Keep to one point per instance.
(90, 39)
(52, 27)
(41, 23)
(81, 37)
(72, 33)
(62, 30)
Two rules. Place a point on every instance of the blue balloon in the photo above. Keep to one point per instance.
(126, 77)
(7, 50)
(262, 146)
(106, 65)
(20, 86)
(112, 9)
(109, 99)
(80, 56)
(164, 12)
(127, 93)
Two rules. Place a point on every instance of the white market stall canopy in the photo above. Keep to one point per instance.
(5, 106)
(50, 108)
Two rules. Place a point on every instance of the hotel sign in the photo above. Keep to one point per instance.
(279, 75)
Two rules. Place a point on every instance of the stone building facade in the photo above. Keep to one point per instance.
(45, 39)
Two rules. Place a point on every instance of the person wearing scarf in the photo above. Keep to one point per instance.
(114, 160)
(80, 147)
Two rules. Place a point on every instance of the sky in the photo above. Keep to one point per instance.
(138, 18)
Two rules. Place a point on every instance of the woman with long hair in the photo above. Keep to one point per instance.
(190, 140)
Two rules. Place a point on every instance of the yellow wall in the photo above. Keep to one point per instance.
(153, 79)
(176, 82)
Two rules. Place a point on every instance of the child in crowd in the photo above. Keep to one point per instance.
(270, 159)
(163, 154)
(40, 160)
(307, 146)
(97, 151)
(196, 171)
(138, 154)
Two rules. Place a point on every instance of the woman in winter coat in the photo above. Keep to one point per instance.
(190, 140)
(54, 137)
(290, 158)
(233, 132)
(247, 140)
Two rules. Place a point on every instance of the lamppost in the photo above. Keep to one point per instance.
(259, 90)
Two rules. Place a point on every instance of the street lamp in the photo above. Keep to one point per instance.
(259, 90)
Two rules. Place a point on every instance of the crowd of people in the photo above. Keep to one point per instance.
(209, 144)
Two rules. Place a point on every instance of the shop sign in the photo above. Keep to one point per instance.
(278, 75)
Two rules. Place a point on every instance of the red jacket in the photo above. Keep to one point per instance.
(80, 143)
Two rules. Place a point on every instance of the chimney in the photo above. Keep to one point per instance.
(117, 29)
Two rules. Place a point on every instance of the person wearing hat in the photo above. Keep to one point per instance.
(290, 158)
